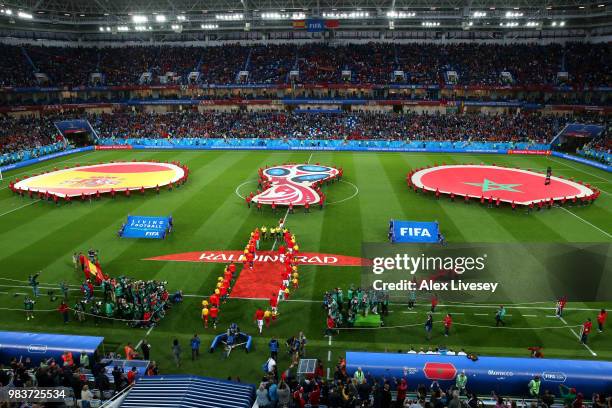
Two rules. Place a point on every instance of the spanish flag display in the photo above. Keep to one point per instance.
(94, 271)
(102, 178)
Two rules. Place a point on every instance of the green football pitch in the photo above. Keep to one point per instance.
(209, 214)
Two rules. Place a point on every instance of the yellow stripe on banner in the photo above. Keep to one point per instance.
(93, 269)
(94, 180)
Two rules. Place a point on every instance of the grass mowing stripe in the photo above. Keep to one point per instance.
(586, 222)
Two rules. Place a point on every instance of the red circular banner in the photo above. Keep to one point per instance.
(506, 184)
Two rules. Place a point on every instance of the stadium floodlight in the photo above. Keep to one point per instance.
(107, 28)
(391, 25)
(513, 14)
(283, 16)
(400, 14)
(139, 19)
(509, 24)
(142, 28)
(123, 28)
(176, 27)
(230, 17)
(160, 18)
(8, 12)
(532, 24)
(430, 23)
(479, 14)
(271, 16)
(210, 26)
(346, 16)
(24, 15)
(181, 17)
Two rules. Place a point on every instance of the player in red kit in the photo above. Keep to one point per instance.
(259, 315)
(448, 322)
(274, 302)
(586, 330)
(434, 303)
(214, 300)
(601, 319)
(561, 305)
(213, 312)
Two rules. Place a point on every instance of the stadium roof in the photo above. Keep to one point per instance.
(271, 15)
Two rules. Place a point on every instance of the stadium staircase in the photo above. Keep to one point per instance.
(179, 391)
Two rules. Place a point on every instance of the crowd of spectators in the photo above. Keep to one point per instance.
(372, 63)
(31, 131)
(285, 389)
(351, 126)
(28, 133)
(81, 378)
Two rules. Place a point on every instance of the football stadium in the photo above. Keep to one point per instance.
(332, 204)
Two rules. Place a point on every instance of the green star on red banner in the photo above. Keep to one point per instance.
(488, 185)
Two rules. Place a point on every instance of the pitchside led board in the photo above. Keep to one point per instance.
(413, 231)
(146, 227)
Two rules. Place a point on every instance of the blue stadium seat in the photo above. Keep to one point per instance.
(188, 391)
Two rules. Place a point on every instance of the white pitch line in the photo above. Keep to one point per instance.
(577, 169)
(486, 306)
(146, 335)
(328, 355)
(330, 340)
(481, 314)
(529, 315)
(586, 222)
(578, 337)
(19, 208)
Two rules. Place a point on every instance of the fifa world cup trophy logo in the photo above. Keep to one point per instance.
(293, 183)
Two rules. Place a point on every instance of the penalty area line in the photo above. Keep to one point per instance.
(578, 337)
